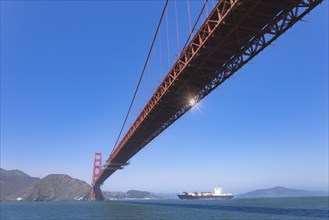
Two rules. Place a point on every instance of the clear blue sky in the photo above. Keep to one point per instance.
(68, 73)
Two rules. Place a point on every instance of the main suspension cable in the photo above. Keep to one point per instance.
(141, 76)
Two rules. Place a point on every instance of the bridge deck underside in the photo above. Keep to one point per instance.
(228, 29)
(201, 70)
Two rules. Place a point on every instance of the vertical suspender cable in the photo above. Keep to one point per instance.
(141, 76)
(207, 13)
(177, 28)
(160, 52)
(149, 72)
(189, 15)
(149, 78)
(196, 22)
(168, 41)
(154, 70)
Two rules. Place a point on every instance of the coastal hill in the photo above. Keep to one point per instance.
(12, 181)
(280, 191)
(57, 187)
(18, 185)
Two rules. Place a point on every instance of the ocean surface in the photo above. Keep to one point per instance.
(257, 208)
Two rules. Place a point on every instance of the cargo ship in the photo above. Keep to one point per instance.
(218, 194)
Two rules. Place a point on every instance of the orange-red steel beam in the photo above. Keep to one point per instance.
(234, 32)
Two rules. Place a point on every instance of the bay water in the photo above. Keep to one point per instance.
(237, 208)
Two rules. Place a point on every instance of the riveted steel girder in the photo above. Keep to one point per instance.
(234, 33)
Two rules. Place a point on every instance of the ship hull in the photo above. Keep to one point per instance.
(190, 197)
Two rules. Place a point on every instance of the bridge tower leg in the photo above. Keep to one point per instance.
(96, 192)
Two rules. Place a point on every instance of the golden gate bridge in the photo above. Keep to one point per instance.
(226, 35)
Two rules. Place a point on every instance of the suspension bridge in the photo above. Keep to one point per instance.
(226, 35)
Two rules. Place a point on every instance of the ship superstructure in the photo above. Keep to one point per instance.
(218, 194)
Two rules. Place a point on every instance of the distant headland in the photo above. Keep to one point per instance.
(280, 191)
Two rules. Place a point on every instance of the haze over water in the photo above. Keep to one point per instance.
(256, 208)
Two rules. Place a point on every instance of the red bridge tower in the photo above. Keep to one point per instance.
(96, 193)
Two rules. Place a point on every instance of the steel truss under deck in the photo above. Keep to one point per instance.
(234, 33)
